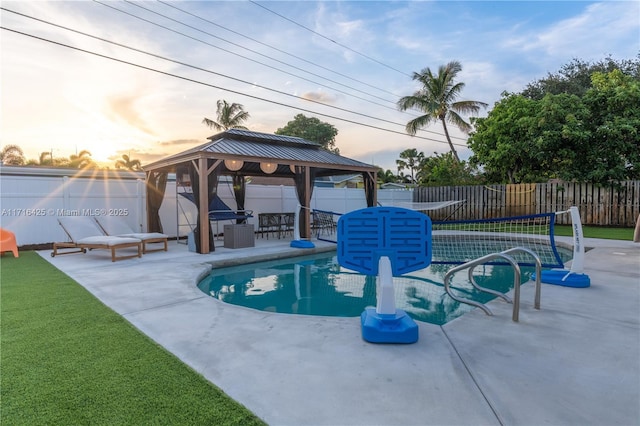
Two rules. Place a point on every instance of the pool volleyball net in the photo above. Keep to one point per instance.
(460, 241)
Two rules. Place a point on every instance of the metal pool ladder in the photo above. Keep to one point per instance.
(505, 255)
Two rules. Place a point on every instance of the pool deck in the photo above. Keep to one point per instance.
(576, 361)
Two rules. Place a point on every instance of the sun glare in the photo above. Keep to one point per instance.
(101, 152)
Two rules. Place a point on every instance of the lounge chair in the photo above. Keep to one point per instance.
(218, 210)
(117, 227)
(85, 233)
(8, 242)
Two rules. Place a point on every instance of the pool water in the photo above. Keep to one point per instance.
(318, 285)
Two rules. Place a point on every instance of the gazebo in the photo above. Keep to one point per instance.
(240, 153)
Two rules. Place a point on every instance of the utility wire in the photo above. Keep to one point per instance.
(330, 39)
(212, 85)
(258, 62)
(199, 68)
(252, 51)
(276, 48)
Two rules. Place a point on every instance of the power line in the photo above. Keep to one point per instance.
(250, 50)
(276, 48)
(330, 39)
(261, 63)
(212, 85)
(198, 68)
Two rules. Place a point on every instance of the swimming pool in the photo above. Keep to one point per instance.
(318, 285)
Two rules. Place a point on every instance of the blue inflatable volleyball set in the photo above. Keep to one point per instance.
(385, 242)
(388, 242)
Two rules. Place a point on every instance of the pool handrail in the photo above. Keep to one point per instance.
(471, 265)
(480, 261)
(538, 282)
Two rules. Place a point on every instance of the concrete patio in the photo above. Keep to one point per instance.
(574, 362)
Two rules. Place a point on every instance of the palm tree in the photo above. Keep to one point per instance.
(82, 160)
(128, 163)
(229, 116)
(43, 158)
(12, 154)
(412, 160)
(386, 176)
(437, 99)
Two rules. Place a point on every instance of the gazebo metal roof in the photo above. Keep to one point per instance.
(253, 148)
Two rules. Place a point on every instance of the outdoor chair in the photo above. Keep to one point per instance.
(8, 242)
(323, 223)
(85, 233)
(117, 227)
(288, 223)
(269, 223)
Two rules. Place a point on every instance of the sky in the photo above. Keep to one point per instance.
(164, 65)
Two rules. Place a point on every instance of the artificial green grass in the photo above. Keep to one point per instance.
(625, 234)
(68, 359)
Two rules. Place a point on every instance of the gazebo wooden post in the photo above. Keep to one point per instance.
(203, 208)
(307, 202)
(375, 188)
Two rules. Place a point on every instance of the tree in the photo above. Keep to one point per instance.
(444, 170)
(575, 77)
(437, 99)
(45, 159)
(411, 160)
(561, 137)
(82, 160)
(312, 129)
(594, 138)
(12, 155)
(526, 140)
(230, 116)
(614, 125)
(128, 163)
(386, 176)
(402, 178)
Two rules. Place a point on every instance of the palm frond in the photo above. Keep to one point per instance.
(458, 121)
(468, 107)
(417, 123)
(212, 124)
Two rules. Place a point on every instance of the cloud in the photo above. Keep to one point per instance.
(338, 31)
(181, 142)
(145, 155)
(123, 107)
(589, 35)
(319, 96)
(146, 158)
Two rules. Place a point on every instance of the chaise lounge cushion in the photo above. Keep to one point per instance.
(106, 240)
(116, 226)
(85, 233)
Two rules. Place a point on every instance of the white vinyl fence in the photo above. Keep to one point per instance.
(32, 198)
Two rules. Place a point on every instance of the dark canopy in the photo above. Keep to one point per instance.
(240, 153)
